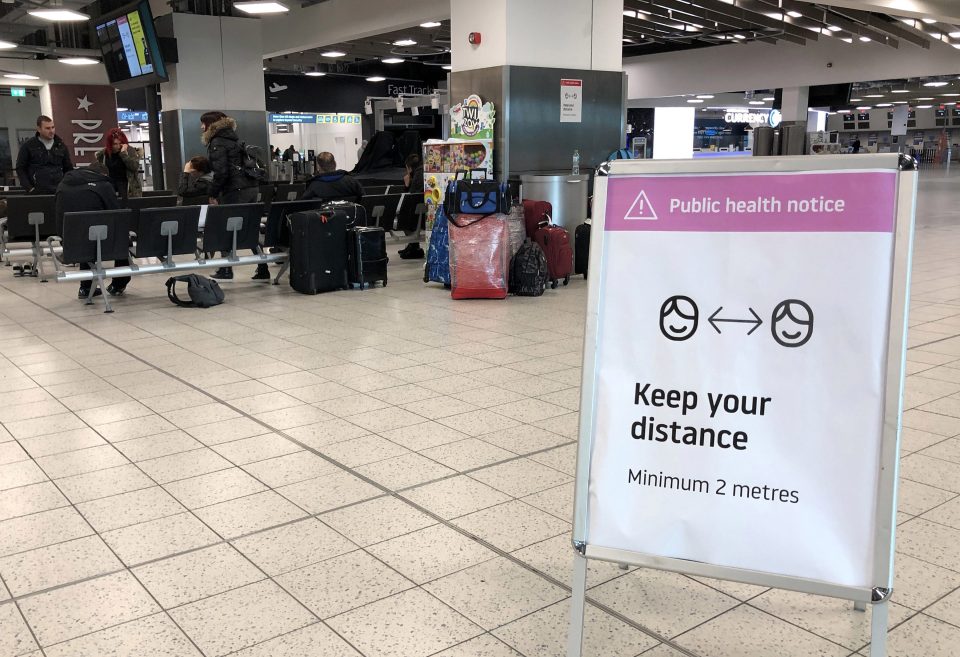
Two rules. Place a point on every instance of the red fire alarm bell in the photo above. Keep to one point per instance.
(474, 38)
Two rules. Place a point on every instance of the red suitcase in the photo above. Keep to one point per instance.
(535, 213)
(555, 242)
(479, 256)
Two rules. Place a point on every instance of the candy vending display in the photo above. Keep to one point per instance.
(443, 159)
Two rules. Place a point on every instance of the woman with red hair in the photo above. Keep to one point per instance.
(123, 163)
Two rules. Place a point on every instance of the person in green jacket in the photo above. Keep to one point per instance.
(123, 163)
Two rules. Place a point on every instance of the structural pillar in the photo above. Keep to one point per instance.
(795, 116)
(220, 68)
(528, 57)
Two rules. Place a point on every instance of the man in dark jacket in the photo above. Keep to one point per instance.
(230, 184)
(88, 190)
(43, 159)
(332, 184)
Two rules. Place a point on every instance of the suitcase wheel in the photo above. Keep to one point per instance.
(554, 284)
(384, 282)
(566, 279)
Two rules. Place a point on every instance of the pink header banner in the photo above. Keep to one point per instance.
(828, 202)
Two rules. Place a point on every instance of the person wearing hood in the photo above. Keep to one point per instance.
(43, 159)
(230, 182)
(89, 190)
(123, 164)
(332, 184)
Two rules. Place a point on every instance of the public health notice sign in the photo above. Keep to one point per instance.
(741, 368)
(571, 101)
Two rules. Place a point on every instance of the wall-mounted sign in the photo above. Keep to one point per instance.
(18, 92)
(313, 118)
(571, 101)
(472, 119)
(84, 114)
(134, 117)
(773, 118)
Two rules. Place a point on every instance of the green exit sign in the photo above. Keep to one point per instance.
(18, 92)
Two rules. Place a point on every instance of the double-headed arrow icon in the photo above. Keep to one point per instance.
(756, 321)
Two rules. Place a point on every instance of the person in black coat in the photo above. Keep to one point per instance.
(43, 159)
(332, 184)
(413, 180)
(88, 190)
(230, 183)
(195, 181)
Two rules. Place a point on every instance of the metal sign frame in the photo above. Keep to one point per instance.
(895, 364)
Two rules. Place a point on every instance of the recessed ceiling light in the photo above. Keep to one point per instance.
(333, 53)
(874, 96)
(392, 60)
(775, 15)
(899, 91)
(59, 15)
(924, 106)
(950, 95)
(261, 7)
(768, 99)
(705, 97)
(929, 21)
(429, 24)
(123, 109)
(79, 61)
(376, 78)
(908, 21)
(834, 28)
(919, 99)
(936, 84)
(739, 36)
(884, 104)
(955, 35)
(899, 102)
(630, 13)
(7, 45)
(957, 46)
(20, 76)
(865, 39)
(863, 109)
(694, 100)
(405, 42)
(847, 39)
(855, 100)
(794, 14)
(315, 74)
(447, 68)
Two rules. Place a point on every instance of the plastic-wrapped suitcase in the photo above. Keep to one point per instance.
(437, 268)
(516, 229)
(366, 256)
(535, 213)
(479, 256)
(555, 242)
(581, 249)
(318, 251)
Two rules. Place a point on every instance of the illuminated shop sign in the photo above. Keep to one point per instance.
(771, 118)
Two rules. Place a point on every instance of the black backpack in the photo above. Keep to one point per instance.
(252, 164)
(529, 274)
(203, 292)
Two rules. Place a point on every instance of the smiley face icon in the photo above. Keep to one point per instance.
(792, 323)
(679, 317)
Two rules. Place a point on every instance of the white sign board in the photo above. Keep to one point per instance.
(571, 101)
(901, 114)
(738, 398)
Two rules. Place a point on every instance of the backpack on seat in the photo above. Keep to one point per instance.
(252, 164)
(529, 273)
(203, 292)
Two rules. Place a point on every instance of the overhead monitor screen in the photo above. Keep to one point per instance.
(130, 48)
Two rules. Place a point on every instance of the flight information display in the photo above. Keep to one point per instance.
(129, 46)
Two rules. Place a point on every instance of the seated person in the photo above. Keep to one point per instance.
(195, 181)
(332, 184)
(413, 183)
(86, 190)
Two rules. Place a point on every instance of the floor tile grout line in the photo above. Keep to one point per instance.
(365, 479)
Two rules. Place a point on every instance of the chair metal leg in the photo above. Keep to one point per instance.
(283, 270)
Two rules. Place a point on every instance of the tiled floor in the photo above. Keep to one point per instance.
(386, 473)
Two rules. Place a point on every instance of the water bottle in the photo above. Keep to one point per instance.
(576, 163)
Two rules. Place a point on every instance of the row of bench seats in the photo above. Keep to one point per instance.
(167, 232)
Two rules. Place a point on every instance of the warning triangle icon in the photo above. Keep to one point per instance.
(641, 210)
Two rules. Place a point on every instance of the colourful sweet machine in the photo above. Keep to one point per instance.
(469, 149)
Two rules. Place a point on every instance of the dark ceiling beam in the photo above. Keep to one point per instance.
(711, 21)
(872, 20)
(716, 7)
(720, 24)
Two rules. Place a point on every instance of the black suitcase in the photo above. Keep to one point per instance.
(366, 256)
(581, 252)
(355, 214)
(318, 251)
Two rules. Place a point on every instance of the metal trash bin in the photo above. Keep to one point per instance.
(565, 192)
